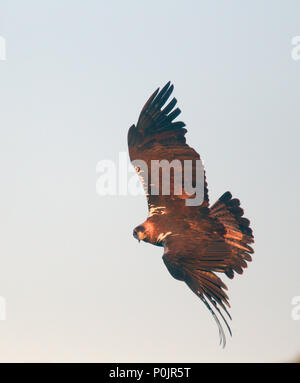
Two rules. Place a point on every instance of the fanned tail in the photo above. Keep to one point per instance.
(238, 233)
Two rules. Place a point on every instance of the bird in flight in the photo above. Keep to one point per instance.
(198, 241)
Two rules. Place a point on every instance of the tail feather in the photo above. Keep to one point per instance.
(238, 233)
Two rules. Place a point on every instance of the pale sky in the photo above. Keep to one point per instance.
(78, 286)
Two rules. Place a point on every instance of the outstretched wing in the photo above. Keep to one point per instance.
(219, 242)
(194, 258)
(158, 137)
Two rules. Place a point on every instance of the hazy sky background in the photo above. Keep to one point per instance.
(78, 286)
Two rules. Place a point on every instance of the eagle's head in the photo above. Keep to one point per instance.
(140, 233)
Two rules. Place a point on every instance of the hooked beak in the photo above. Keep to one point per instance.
(136, 236)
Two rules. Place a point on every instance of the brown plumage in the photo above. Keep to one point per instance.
(200, 240)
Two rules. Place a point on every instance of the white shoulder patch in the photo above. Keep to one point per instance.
(162, 236)
(159, 210)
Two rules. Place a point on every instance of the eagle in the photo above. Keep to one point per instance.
(198, 241)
